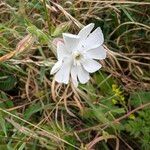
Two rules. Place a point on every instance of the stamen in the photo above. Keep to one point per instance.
(77, 55)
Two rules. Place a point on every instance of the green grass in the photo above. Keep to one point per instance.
(109, 112)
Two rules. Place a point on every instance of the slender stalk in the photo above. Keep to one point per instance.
(47, 17)
(46, 133)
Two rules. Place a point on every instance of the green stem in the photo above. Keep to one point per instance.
(47, 17)
(46, 133)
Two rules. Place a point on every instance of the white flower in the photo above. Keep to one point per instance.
(77, 55)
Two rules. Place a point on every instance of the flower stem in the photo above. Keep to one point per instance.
(47, 17)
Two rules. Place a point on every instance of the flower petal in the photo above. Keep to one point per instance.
(61, 51)
(71, 41)
(62, 76)
(94, 40)
(56, 67)
(74, 75)
(83, 75)
(96, 53)
(91, 65)
(86, 31)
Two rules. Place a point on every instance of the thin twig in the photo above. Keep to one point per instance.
(115, 121)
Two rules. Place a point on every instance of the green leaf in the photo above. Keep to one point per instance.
(7, 103)
(43, 37)
(60, 29)
(104, 82)
(32, 109)
(118, 110)
(126, 13)
(139, 98)
(22, 146)
(7, 82)
(3, 124)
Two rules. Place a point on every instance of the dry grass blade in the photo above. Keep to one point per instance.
(24, 45)
(98, 139)
(50, 135)
(106, 113)
(118, 2)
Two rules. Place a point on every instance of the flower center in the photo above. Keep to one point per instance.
(77, 55)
